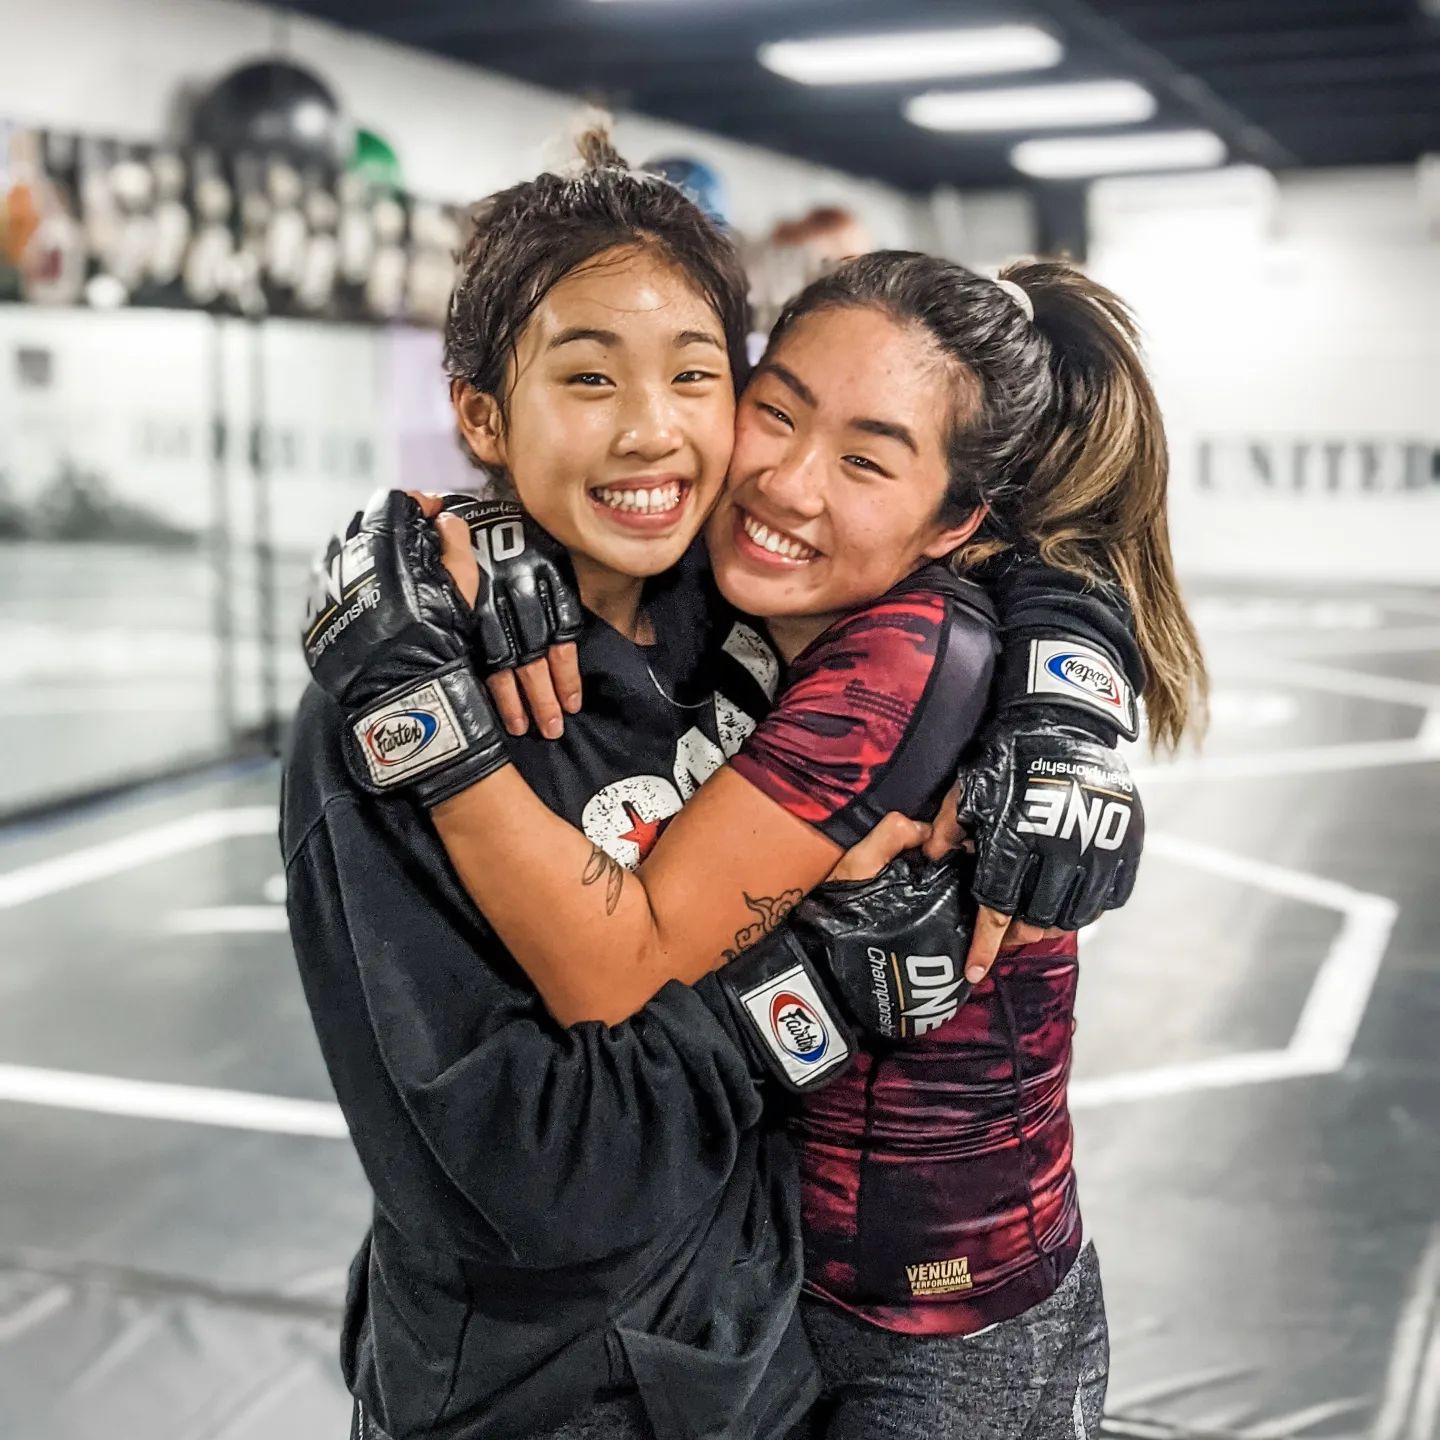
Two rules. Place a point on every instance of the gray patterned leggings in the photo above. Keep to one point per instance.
(1041, 1376)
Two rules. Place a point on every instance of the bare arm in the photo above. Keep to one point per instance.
(597, 940)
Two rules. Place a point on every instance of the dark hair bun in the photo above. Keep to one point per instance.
(597, 150)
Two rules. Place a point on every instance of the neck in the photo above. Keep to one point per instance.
(615, 598)
(790, 634)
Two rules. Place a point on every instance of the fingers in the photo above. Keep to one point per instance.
(457, 556)
(990, 928)
(1089, 899)
(430, 505)
(565, 675)
(508, 705)
(1020, 933)
(541, 698)
(894, 835)
(946, 832)
(1046, 900)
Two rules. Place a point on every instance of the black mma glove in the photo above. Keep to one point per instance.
(388, 636)
(884, 957)
(892, 949)
(1052, 807)
(1056, 818)
(532, 600)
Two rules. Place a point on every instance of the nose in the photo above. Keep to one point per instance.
(795, 484)
(649, 425)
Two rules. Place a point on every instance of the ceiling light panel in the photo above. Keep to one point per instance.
(1033, 107)
(917, 55)
(1077, 157)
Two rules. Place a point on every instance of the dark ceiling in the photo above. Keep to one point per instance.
(1284, 82)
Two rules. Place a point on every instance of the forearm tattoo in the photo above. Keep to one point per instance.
(770, 911)
(602, 866)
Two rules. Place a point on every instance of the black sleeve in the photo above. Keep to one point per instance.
(1034, 598)
(462, 1095)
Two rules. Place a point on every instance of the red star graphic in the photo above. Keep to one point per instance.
(642, 831)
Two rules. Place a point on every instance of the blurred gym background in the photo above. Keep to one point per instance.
(226, 240)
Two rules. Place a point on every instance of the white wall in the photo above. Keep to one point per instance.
(115, 66)
(1294, 332)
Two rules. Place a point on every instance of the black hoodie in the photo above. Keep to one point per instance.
(559, 1214)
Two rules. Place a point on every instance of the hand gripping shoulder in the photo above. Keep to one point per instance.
(530, 598)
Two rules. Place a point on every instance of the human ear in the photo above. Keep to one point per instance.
(481, 423)
(949, 540)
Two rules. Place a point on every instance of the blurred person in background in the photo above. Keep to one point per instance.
(482, 755)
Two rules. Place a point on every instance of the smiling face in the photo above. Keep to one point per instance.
(618, 419)
(839, 470)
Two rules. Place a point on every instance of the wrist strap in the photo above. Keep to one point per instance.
(783, 1007)
(1055, 670)
(417, 728)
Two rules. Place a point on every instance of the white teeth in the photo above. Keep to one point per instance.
(776, 543)
(661, 498)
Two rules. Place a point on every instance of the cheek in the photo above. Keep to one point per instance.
(754, 449)
(878, 537)
(713, 429)
(553, 444)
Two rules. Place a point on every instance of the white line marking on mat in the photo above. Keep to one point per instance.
(1333, 1010)
(227, 920)
(1408, 1351)
(127, 852)
(187, 1104)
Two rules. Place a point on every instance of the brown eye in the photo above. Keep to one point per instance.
(860, 462)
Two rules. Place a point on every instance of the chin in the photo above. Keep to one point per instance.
(764, 597)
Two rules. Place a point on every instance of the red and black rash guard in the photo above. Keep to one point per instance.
(938, 1194)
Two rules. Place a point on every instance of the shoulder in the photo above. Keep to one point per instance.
(314, 770)
(932, 619)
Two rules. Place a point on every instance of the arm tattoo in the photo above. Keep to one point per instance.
(770, 910)
(600, 865)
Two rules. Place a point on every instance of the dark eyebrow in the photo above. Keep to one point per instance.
(696, 337)
(884, 428)
(888, 430)
(578, 332)
(791, 381)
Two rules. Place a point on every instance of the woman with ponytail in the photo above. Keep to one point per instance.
(950, 1291)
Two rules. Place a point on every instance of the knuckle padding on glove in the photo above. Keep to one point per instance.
(893, 948)
(1065, 825)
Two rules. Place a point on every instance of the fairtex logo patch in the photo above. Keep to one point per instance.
(798, 1029)
(1082, 672)
(398, 738)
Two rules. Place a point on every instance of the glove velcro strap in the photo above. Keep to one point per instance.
(420, 728)
(1054, 670)
(788, 1014)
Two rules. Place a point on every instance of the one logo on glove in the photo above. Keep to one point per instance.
(1080, 673)
(408, 736)
(797, 1028)
(1067, 811)
(930, 995)
(398, 738)
(335, 582)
